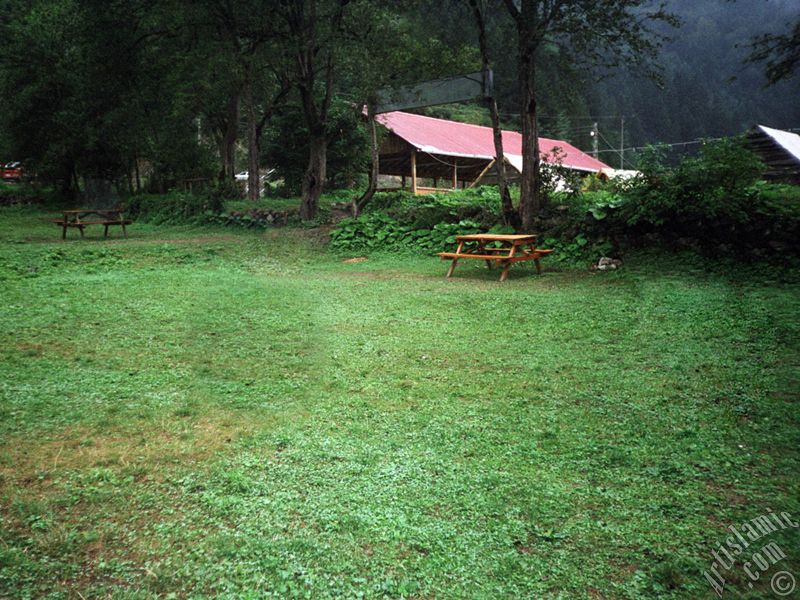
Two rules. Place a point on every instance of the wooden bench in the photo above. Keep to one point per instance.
(512, 249)
(105, 217)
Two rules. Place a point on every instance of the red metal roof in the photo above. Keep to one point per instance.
(450, 138)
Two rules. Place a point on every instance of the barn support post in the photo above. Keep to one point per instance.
(455, 175)
(482, 173)
(414, 172)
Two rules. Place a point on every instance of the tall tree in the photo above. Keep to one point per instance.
(597, 33)
(242, 39)
(479, 12)
(313, 36)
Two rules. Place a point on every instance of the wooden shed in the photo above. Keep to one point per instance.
(779, 150)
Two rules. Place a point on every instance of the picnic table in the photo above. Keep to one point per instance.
(78, 218)
(496, 249)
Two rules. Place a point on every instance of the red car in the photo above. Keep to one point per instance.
(13, 171)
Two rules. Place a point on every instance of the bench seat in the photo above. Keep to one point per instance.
(106, 218)
(82, 223)
(519, 257)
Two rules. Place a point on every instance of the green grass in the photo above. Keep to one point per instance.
(211, 412)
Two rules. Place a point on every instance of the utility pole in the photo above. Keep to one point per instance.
(622, 142)
(595, 141)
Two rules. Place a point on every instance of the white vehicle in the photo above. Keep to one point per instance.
(264, 176)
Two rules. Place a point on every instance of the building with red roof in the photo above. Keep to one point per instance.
(425, 147)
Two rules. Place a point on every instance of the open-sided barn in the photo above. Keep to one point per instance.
(460, 154)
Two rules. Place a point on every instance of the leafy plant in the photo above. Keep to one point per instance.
(381, 232)
(480, 204)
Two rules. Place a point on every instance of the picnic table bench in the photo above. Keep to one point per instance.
(508, 250)
(78, 218)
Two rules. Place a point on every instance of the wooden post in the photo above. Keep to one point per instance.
(482, 174)
(455, 175)
(403, 182)
(414, 172)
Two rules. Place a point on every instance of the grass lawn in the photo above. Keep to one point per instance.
(216, 412)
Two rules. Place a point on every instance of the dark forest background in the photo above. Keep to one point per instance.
(705, 90)
(151, 94)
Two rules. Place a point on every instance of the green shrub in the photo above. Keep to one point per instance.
(714, 199)
(378, 231)
(174, 207)
(215, 207)
(703, 196)
(481, 205)
(578, 249)
(12, 194)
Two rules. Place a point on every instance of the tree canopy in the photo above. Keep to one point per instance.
(154, 93)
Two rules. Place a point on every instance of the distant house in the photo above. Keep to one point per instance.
(779, 150)
(459, 154)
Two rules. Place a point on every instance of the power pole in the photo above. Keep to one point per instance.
(622, 142)
(595, 139)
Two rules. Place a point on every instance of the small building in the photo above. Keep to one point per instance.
(454, 154)
(779, 150)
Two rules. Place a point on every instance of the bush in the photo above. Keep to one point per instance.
(703, 195)
(713, 199)
(12, 194)
(400, 220)
(212, 207)
(379, 231)
(174, 207)
(481, 205)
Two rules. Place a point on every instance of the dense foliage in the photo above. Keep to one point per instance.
(17, 194)
(713, 200)
(398, 221)
(151, 94)
(377, 231)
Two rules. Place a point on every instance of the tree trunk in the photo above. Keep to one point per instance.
(314, 177)
(76, 181)
(372, 186)
(138, 175)
(509, 215)
(530, 201)
(253, 147)
(228, 145)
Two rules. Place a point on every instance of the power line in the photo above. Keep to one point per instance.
(675, 144)
(568, 117)
(590, 118)
(619, 151)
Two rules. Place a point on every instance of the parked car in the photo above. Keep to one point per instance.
(243, 178)
(13, 171)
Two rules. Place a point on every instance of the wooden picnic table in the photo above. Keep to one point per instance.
(505, 250)
(105, 217)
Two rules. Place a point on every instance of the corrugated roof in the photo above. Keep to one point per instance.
(785, 139)
(450, 138)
